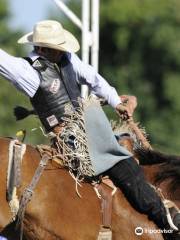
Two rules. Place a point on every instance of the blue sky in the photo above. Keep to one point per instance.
(27, 12)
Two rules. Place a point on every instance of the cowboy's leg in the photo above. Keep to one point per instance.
(129, 177)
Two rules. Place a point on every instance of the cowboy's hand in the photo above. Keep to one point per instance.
(130, 102)
(123, 111)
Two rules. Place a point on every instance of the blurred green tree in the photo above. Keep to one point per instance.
(139, 54)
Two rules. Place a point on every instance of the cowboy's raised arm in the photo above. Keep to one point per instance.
(101, 88)
(19, 72)
(98, 85)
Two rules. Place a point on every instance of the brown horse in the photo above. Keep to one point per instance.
(56, 212)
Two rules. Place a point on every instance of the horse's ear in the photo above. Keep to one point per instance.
(21, 112)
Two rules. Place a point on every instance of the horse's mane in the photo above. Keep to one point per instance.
(170, 171)
(169, 166)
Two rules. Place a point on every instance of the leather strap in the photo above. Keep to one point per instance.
(106, 204)
(16, 151)
(28, 192)
(17, 164)
(134, 127)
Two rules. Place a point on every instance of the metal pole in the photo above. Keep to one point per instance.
(95, 34)
(85, 40)
(89, 38)
(69, 13)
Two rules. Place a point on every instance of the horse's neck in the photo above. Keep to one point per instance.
(163, 187)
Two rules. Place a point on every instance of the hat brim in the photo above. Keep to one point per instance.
(70, 45)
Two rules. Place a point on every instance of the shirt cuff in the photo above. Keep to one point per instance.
(115, 101)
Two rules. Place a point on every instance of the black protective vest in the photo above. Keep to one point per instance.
(58, 86)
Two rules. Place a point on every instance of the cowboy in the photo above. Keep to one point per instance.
(51, 77)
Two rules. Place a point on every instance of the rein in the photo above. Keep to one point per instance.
(140, 136)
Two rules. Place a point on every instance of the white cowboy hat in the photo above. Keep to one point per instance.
(51, 34)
